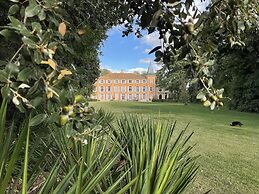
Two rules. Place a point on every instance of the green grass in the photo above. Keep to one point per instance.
(229, 161)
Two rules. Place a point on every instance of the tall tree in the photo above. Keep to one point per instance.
(238, 71)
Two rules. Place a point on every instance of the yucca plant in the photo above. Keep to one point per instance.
(159, 162)
(10, 147)
(86, 160)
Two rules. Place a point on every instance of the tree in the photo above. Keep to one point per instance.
(193, 35)
(105, 71)
(237, 70)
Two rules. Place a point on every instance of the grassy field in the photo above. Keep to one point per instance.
(229, 161)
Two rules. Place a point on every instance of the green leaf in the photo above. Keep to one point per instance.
(220, 92)
(62, 186)
(32, 10)
(51, 179)
(12, 68)
(201, 95)
(3, 76)
(37, 57)
(194, 81)
(36, 102)
(212, 106)
(25, 74)
(155, 49)
(26, 158)
(33, 89)
(155, 18)
(29, 42)
(25, 32)
(36, 27)
(241, 25)
(210, 82)
(15, 155)
(6, 33)
(38, 119)
(13, 9)
(42, 15)
(246, 2)
(15, 22)
(5, 91)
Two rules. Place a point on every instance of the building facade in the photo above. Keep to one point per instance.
(127, 87)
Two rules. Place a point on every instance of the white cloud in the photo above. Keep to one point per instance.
(156, 66)
(145, 61)
(151, 40)
(137, 69)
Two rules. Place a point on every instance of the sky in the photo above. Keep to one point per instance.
(130, 53)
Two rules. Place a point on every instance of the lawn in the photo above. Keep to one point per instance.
(229, 161)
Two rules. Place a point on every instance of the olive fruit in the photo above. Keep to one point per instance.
(66, 109)
(207, 103)
(214, 98)
(78, 98)
(63, 119)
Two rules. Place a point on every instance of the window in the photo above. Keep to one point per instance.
(101, 81)
(130, 88)
(123, 81)
(130, 81)
(109, 97)
(137, 96)
(123, 96)
(116, 81)
(144, 81)
(116, 89)
(123, 88)
(151, 81)
(101, 96)
(143, 88)
(130, 96)
(108, 81)
(101, 88)
(137, 88)
(151, 89)
(137, 81)
(144, 96)
(108, 89)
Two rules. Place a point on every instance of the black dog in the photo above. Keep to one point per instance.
(236, 123)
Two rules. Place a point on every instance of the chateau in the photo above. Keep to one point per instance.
(128, 87)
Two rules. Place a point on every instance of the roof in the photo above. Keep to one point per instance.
(123, 76)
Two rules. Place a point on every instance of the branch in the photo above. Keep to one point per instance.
(204, 85)
(17, 52)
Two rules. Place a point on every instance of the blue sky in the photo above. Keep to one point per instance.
(127, 53)
(131, 53)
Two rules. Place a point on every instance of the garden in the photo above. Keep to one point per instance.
(53, 140)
